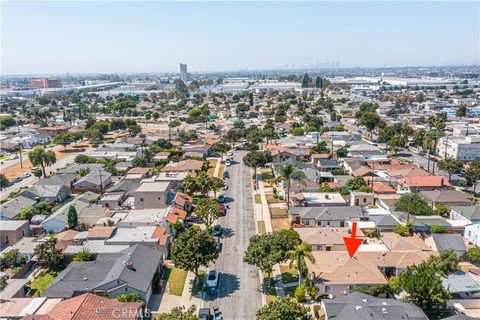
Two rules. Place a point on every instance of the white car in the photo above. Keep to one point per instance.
(230, 154)
(228, 163)
(14, 157)
(211, 280)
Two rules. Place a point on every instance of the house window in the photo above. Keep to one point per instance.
(364, 200)
(350, 288)
(319, 248)
(306, 222)
(126, 289)
(327, 288)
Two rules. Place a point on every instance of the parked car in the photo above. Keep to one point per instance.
(217, 230)
(221, 211)
(192, 219)
(211, 280)
(221, 198)
(26, 175)
(15, 180)
(13, 157)
(226, 175)
(228, 163)
(205, 314)
(224, 187)
(230, 154)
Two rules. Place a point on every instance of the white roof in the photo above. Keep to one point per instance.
(153, 187)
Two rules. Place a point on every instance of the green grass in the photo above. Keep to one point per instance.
(258, 199)
(198, 284)
(267, 175)
(176, 280)
(42, 282)
(278, 213)
(271, 199)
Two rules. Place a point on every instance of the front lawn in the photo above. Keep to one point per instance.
(42, 282)
(276, 213)
(198, 283)
(258, 199)
(176, 280)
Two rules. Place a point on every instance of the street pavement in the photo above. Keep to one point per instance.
(31, 180)
(238, 294)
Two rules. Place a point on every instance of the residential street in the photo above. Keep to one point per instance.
(239, 285)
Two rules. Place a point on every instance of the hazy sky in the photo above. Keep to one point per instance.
(58, 37)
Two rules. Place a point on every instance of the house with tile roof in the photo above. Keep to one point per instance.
(89, 306)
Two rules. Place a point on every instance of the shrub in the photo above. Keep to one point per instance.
(474, 254)
(437, 229)
(300, 293)
(404, 230)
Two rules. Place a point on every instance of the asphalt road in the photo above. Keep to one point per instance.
(31, 180)
(239, 283)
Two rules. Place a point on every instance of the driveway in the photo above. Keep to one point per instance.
(239, 284)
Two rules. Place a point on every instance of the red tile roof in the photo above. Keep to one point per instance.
(90, 307)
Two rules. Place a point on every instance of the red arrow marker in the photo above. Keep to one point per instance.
(352, 243)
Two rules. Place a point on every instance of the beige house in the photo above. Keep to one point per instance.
(362, 199)
(326, 239)
(11, 231)
(151, 195)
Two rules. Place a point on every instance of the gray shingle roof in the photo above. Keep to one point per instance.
(12, 208)
(472, 213)
(362, 306)
(81, 277)
(449, 241)
(329, 213)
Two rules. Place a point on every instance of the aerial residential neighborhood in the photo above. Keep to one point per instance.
(283, 190)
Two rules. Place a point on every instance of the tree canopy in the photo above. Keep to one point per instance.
(285, 308)
(413, 203)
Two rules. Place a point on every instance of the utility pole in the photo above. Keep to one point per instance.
(446, 144)
(20, 154)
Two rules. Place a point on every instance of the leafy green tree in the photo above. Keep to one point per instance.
(394, 284)
(356, 183)
(365, 107)
(4, 183)
(39, 157)
(424, 287)
(284, 308)
(179, 313)
(373, 290)
(474, 254)
(301, 252)
(257, 159)
(190, 185)
(472, 174)
(83, 255)
(321, 147)
(370, 120)
(342, 152)
(193, 249)
(7, 122)
(298, 132)
(264, 251)
(290, 172)
(413, 203)
(3, 283)
(48, 255)
(139, 162)
(72, 217)
(220, 147)
(451, 166)
(306, 81)
(404, 230)
(396, 143)
(437, 229)
(445, 263)
(301, 293)
(128, 297)
(207, 211)
(461, 111)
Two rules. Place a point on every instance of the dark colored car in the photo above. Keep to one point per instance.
(217, 230)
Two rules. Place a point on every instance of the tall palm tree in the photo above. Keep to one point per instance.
(302, 251)
(291, 172)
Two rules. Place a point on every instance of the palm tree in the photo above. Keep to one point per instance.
(289, 172)
(297, 255)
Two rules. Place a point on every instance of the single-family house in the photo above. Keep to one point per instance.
(326, 216)
(12, 231)
(150, 195)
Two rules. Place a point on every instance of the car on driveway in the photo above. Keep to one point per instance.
(211, 280)
(217, 230)
(26, 175)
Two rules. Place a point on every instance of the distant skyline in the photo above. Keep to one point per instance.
(108, 37)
